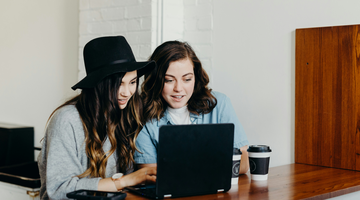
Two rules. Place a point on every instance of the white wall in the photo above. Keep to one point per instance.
(38, 59)
(254, 61)
(248, 48)
(198, 31)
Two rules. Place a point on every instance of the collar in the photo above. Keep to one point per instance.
(166, 120)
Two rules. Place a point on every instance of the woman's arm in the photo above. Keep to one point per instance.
(143, 175)
(244, 163)
(146, 143)
(227, 114)
(63, 156)
(139, 166)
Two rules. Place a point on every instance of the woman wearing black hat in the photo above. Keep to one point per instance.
(90, 140)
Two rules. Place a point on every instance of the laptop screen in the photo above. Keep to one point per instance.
(194, 159)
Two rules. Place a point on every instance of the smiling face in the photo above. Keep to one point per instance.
(127, 88)
(179, 83)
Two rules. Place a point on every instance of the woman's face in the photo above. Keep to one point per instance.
(127, 88)
(179, 83)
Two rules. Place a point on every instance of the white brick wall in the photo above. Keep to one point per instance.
(198, 30)
(148, 23)
(130, 18)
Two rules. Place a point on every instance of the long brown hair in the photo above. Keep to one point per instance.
(201, 101)
(102, 118)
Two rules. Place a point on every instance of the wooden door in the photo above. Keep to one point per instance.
(327, 96)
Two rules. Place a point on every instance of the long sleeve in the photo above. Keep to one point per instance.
(226, 114)
(63, 156)
(146, 144)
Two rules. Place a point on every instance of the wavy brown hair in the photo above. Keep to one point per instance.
(102, 118)
(201, 101)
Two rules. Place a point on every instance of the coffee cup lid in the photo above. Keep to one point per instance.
(259, 148)
(237, 151)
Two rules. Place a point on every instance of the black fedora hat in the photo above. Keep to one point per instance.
(108, 55)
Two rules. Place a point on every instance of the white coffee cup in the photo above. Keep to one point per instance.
(236, 166)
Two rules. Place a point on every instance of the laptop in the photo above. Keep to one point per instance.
(192, 160)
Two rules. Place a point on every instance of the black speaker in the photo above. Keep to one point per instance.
(16, 144)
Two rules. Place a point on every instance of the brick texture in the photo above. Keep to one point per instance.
(198, 30)
(148, 23)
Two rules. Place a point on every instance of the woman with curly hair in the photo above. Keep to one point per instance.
(177, 93)
(90, 140)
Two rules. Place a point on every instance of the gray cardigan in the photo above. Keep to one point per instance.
(63, 156)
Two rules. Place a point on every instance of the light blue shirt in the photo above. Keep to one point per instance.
(148, 138)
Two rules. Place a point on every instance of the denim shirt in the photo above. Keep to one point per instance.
(148, 138)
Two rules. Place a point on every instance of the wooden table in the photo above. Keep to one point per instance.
(294, 181)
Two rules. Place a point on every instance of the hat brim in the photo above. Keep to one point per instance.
(92, 79)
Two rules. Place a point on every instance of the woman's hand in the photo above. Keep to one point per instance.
(143, 175)
(244, 163)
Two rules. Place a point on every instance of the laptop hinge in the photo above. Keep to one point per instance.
(221, 190)
(167, 195)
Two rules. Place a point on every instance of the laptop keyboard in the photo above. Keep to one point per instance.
(147, 191)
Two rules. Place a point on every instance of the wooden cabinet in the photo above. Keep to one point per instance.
(327, 96)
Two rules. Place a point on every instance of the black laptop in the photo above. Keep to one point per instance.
(192, 160)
